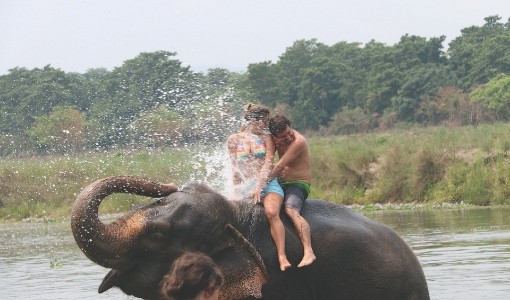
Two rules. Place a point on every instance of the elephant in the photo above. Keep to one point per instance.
(357, 257)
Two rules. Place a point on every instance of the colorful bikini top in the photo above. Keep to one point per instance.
(257, 149)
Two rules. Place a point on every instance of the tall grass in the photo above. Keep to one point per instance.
(440, 164)
(47, 187)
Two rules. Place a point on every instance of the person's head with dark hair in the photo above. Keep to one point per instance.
(280, 129)
(255, 112)
(193, 276)
(278, 124)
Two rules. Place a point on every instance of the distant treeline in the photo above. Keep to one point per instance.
(155, 101)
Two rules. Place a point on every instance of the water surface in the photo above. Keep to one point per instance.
(465, 254)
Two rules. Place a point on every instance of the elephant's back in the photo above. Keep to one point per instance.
(347, 228)
(346, 240)
(324, 213)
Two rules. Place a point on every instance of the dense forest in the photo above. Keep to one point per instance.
(153, 100)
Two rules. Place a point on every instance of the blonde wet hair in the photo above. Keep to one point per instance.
(255, 112)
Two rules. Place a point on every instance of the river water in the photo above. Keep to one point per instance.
(465, 254)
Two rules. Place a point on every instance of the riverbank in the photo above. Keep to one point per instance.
(415, 168)
(362, 208)
(368, 208)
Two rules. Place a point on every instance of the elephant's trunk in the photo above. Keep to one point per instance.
(107, 244)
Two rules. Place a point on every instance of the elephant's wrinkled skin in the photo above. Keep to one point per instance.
(357, 258)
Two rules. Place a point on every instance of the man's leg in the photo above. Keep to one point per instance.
(294, 199)
(303, 230)
(272, 205)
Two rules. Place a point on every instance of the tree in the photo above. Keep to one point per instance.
(141, 84)
(27, 94)
(495, 96)
(89, 88)
(352, 69)
(264, 83)
(334, 79)
(382, 83)
(382, 77)
(412, 49)
(481, 52)
(321, 86)
(402, 75)
(451, 106)
(292, 65)
(418, 84)
(304, 115)
(160, 127)
(154, 78)
(62, 131)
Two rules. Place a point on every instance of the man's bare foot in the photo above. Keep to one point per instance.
(284, 263)
(307, 260)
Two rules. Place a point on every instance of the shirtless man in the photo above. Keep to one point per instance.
(294, 172)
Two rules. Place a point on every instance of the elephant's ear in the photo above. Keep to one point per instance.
(242, 267)
(109, 281)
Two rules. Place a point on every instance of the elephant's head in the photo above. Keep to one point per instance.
(140, 246)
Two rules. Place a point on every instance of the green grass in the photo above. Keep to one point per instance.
(47, 187)
(422, 165)
(401, 168)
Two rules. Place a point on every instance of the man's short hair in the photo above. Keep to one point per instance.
(277, 124)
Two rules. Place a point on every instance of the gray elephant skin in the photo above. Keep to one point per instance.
(357, 258)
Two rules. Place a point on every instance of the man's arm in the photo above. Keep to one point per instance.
(292, 153)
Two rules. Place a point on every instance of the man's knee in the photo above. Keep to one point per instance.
(291, 212)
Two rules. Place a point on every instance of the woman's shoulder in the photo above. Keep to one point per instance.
(233, 139)
(268, 137)
(234, 136)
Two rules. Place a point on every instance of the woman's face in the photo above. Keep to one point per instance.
(260, 123)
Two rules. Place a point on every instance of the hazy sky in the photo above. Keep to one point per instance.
(76, 35)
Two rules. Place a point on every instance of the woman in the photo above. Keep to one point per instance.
(193, 276)
(251, 153)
